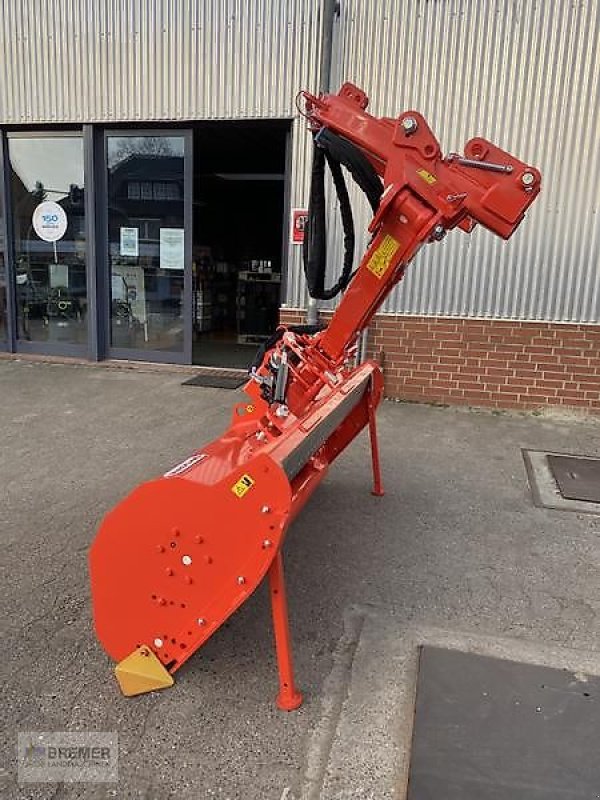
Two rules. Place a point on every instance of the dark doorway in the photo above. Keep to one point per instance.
(238, 238)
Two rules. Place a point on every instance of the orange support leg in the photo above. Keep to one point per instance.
(377, 485)
(289, 698)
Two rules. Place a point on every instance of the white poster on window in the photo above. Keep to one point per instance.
(59, 276)
(171, 248)
(129, 242)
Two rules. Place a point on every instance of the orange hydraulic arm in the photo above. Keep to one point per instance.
(182, 552)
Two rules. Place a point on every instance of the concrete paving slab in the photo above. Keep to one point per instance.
(368, 754)
(456, 545)
(491, 728)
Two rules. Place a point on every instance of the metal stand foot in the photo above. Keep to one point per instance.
(377, 489)
(289, 698)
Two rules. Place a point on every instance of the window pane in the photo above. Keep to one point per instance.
(47, 191)
(145, 231)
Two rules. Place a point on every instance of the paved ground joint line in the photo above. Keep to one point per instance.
(335, 691)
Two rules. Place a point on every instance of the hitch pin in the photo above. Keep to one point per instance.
(260, 379)
(254, 376)
(473, 162)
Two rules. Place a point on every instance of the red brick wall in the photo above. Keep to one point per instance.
(497, 363)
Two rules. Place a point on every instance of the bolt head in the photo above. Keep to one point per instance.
(160, 548)
(241, 580)
(169, 571)
(265, 509)
(158, 643)
(527, 178)
(186, 560)
(201, 621)
(198, 539)
(409, 124)
(267, 543)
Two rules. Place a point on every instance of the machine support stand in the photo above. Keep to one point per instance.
(289, 698)
(377, 489)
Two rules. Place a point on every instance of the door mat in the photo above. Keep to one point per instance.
(489, 729)
(217, 381)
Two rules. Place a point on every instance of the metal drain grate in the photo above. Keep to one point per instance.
(578, 478)
(546, 491)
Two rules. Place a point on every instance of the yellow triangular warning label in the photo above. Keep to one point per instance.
(140, 672)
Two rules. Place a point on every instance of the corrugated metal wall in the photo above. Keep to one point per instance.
(157, 60)
(523, 73)
(118, 60)
(526, 75)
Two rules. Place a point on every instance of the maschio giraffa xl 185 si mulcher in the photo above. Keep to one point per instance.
(182, 552)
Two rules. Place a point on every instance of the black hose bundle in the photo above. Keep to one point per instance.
(336, 152)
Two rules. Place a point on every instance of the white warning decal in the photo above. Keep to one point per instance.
(185, 465)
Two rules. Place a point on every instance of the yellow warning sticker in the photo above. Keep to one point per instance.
(382, 257)
(242, 486)
(427, 176)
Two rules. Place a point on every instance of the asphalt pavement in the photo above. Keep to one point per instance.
(455, 553)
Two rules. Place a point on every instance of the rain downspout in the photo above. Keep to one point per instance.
(331, 9)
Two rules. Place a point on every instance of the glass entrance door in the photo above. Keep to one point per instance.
(149, 245)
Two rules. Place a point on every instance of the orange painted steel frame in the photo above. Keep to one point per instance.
(181, 553)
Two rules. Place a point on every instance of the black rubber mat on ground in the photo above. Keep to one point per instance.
(487, 729)
(216, 381)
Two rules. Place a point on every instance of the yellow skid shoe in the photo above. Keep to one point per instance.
(141, 672)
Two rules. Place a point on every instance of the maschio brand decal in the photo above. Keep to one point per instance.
(185, 465)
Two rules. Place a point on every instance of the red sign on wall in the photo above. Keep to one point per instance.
(299, 220)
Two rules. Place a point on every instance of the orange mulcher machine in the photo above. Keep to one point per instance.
(182, 552)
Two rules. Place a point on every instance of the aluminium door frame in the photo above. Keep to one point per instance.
(9, 344)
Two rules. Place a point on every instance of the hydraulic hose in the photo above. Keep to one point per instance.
(336, 152)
